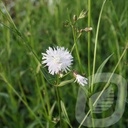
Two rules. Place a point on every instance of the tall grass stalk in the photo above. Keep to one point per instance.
(89, 38)
(58, 104)
(49, 113)
(76, 48)
(89, 56)
(40, 96)
(96, 42)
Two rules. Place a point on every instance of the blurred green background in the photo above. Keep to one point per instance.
(42, 23)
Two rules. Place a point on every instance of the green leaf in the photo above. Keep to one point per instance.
(65, 82)
(65, 115)
(52, 108)
(33, 124)
(99, 70)
(50, 78)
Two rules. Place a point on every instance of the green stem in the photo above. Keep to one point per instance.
(89, 56)
(84, 118)
(47, 101)
(46, 95)
(40, 96)
(58, 103)
(76, 47)
(96, 42)
(89, 37)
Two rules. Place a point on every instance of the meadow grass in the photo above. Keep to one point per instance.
(28, 97)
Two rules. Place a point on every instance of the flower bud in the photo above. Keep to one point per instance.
(82, 14)
(81, 30)
(88, 29)
(75, 18)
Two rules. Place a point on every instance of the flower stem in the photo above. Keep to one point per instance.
(76, 48)
(89, 36)
(89, 56)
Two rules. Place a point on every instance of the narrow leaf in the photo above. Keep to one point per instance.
(64, 112)
(65, 82)
(50, 78)
(99, 70)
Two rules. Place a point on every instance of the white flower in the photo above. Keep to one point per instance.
(80, 79)
(57, 59)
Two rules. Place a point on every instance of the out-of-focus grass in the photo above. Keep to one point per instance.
(43, 26)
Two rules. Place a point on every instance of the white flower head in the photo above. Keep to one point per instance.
(57, 59)
(80, 79)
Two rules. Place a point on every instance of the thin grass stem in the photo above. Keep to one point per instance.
(96, 42)
(76, 48)
(58, 104)
(89, 37)
(89, 56)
